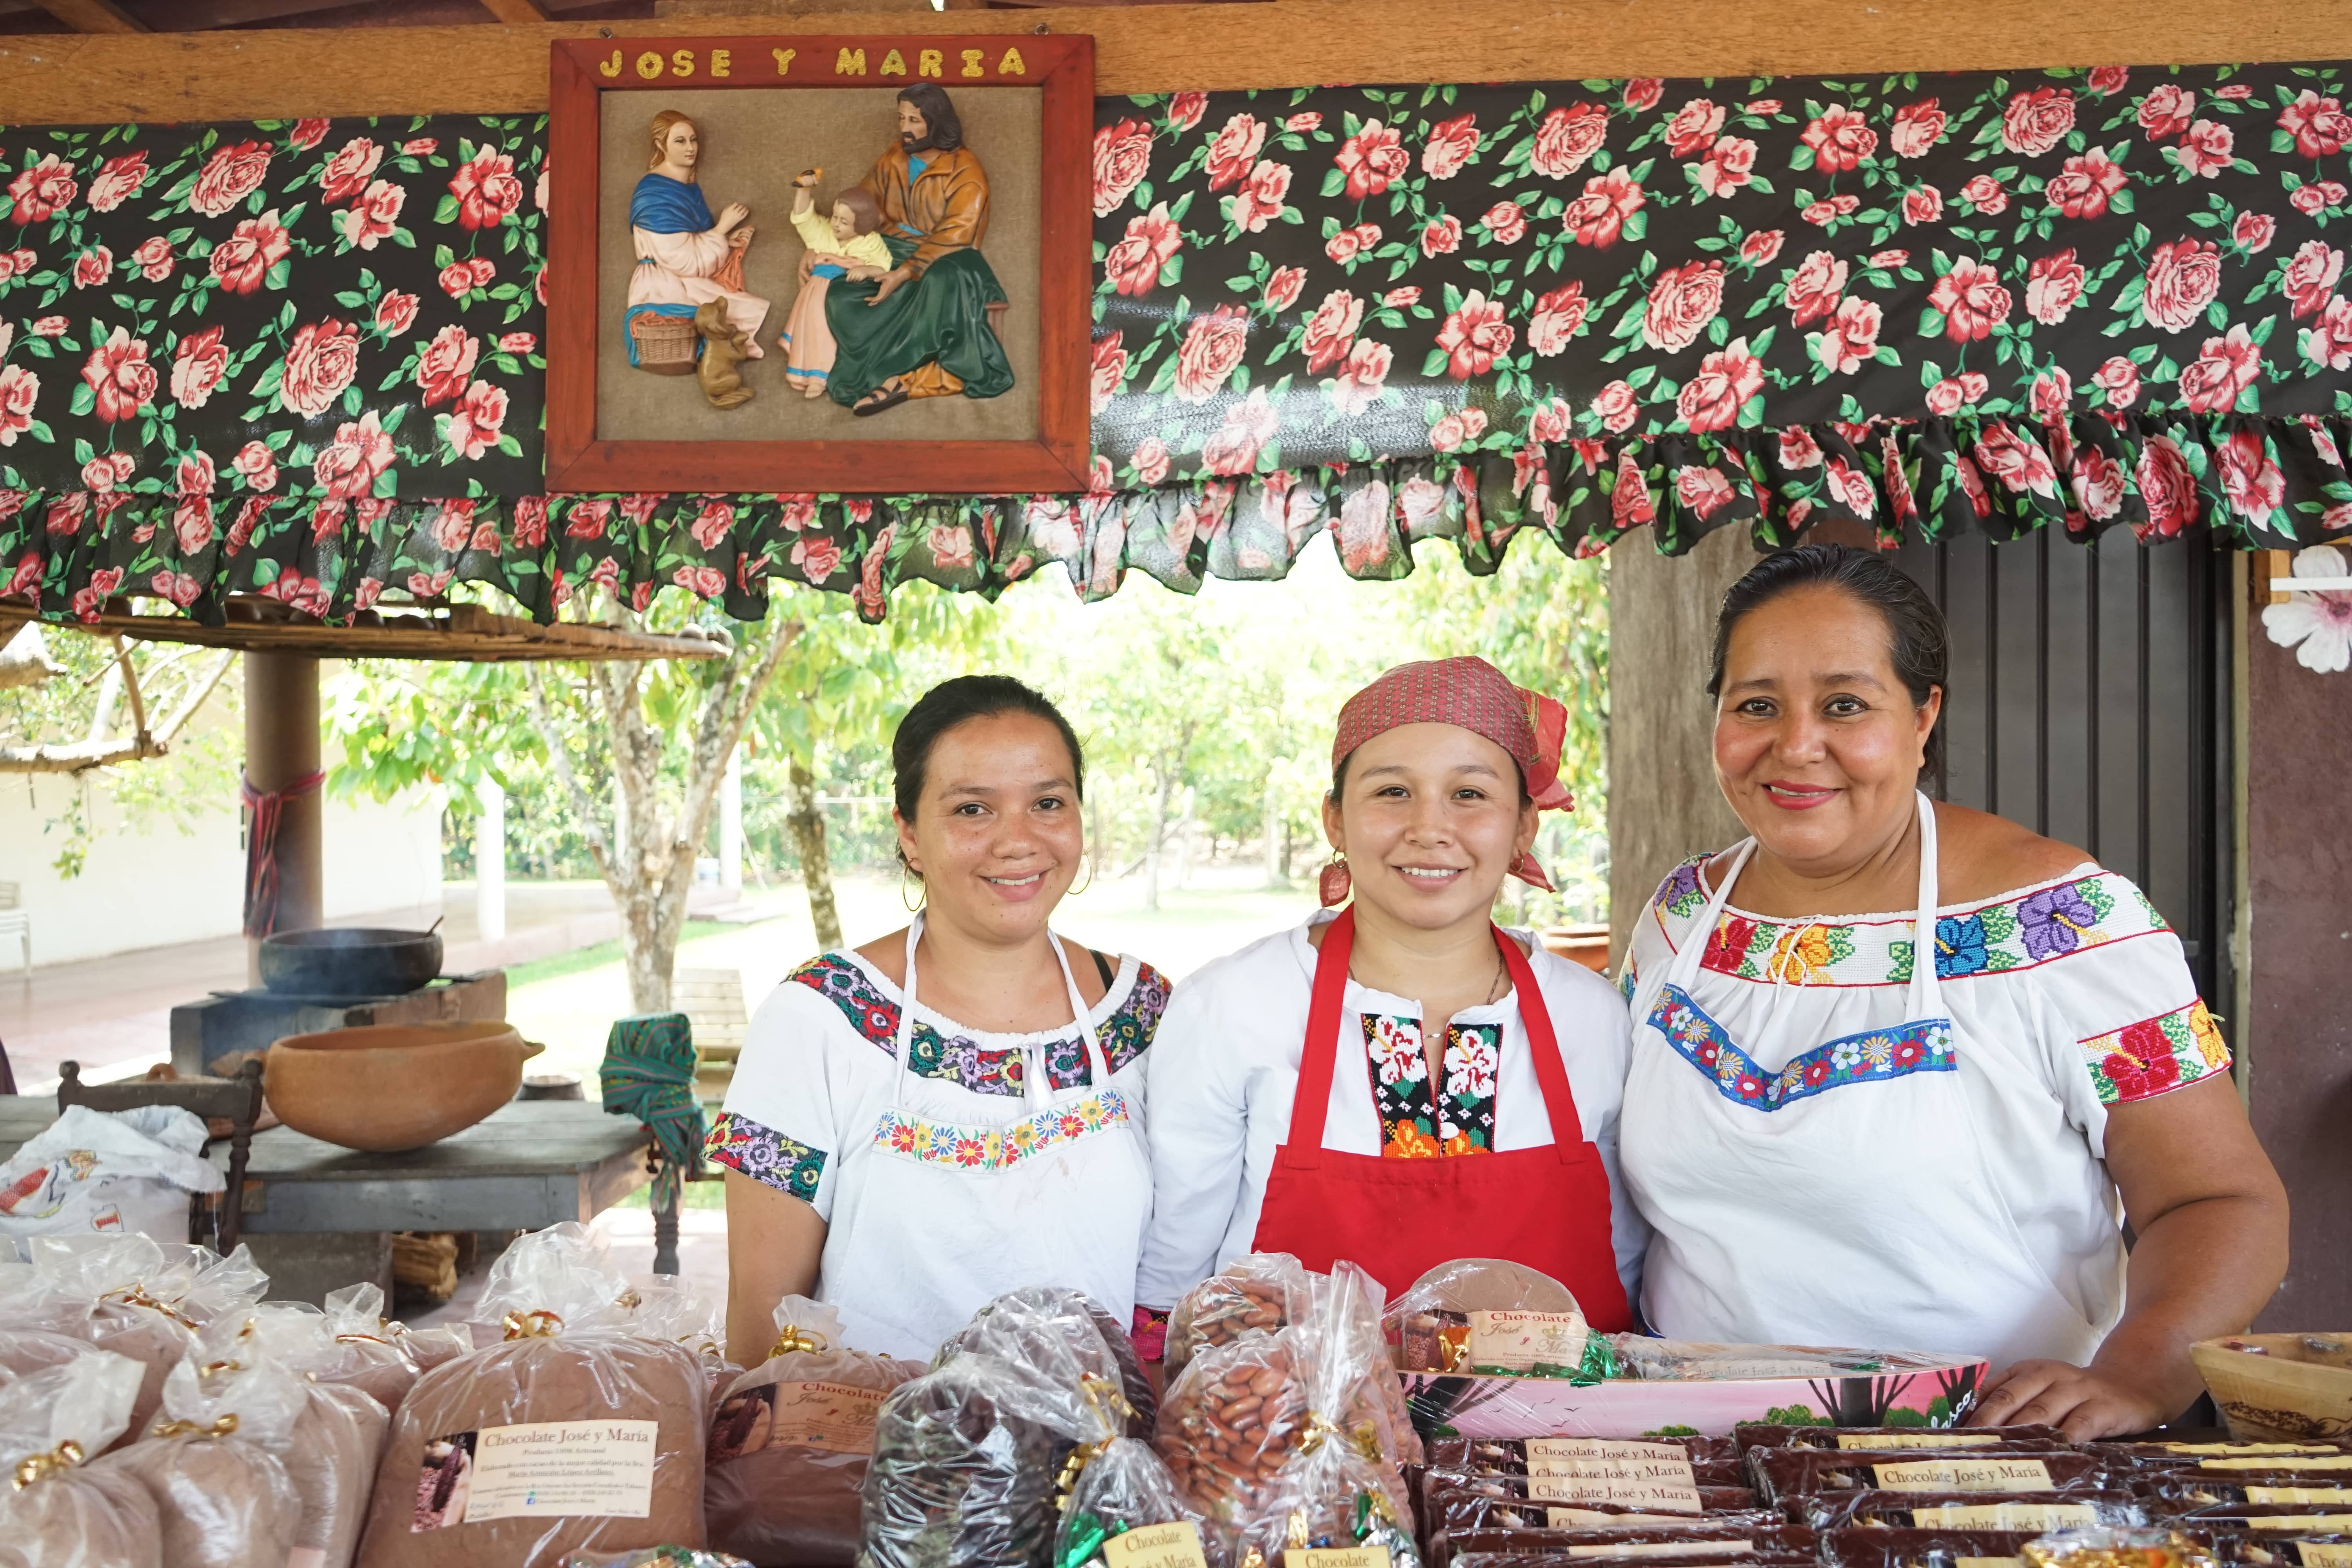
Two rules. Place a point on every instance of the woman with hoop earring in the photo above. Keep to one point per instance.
(956, 1110)
(1299, 1105)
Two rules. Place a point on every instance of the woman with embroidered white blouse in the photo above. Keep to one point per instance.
(956, 1110)
(1400, 1083)
(1838, 1144)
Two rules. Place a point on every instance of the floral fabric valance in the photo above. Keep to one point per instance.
(302, 357)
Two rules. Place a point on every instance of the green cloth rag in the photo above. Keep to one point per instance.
(648, 1073)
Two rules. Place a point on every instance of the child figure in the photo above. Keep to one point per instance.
(846, 246)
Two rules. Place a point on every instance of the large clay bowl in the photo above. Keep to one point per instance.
(388, 1087)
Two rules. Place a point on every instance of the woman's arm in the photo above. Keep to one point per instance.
(2210, 1216)
(773, 1243)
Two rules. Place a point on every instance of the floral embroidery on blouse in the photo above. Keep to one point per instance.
(2156, 1055)
(1000, 1148)
(2015, 933)
(1415, 1124)
(764, 1154)
(1878, 1055)
(1123, 1036)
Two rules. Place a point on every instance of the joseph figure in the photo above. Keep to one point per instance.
(922, 328)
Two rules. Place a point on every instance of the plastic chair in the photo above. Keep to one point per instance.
(236, 1100)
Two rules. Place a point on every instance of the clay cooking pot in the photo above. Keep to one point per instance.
(383, 1088)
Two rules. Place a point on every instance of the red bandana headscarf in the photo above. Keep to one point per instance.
(1473, 695)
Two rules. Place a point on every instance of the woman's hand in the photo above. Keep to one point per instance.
(808, 266)
(734, 214)
(891, 283)
(2084, 1402)
(740, 237)
(862, 274)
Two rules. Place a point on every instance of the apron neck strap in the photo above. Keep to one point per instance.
(1036, 1073)
(1685, 968)
(1924, 1000)
(1310, 1102)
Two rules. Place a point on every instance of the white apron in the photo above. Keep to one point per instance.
(933, 1219)
(1829, 1192)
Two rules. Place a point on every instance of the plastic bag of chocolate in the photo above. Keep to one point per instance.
(1453, 1501)
(1785, 1473)
(2111, 1510)
(1257, 1292)
(376, 1355)
(571, 1435)
(135, 1296)
(1486, 1315)
(669, 1307)
(217, 1463)
(968, 1456)
(62, 1512)
(1764, 1435)
(1125, 1511)
(2118, 1548)
(657, 1557)
(1065, 1306)
(789, 1441)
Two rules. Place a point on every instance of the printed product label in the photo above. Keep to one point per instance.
(1663, 1549)
(1521, 1342)
(2006, 1515)
(2305, 1462)
(2226, 1448)
(1540, 1449)
(1600, 1481)
(1567, 1518)
(835, 1418)
(2301, 1494)
(1337, 1557)
(1867, 1440)
(2321, 1524)
(541, 1470)
(1176, 1546)
(1989, 1562)
(1965, 1476)
(2324, 1553)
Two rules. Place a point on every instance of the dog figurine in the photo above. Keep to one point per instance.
(723, 351)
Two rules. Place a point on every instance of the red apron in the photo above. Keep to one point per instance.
(1545, 1208)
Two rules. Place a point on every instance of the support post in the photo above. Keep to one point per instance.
(730, 824)
(490, 861)
(281, 747)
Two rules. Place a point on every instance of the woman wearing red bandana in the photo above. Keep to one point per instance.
(1298, 1103)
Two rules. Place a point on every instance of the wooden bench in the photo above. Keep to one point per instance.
(712, 1001)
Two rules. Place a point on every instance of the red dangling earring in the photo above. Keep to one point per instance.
(1333, 884)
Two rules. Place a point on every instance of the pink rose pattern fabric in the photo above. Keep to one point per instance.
(303, 358)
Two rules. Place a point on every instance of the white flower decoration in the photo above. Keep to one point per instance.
(2320, 621)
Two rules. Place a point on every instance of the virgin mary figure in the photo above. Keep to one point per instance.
(686, 258)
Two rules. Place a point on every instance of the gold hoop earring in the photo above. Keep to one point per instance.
(1090, 878)
(914, 907)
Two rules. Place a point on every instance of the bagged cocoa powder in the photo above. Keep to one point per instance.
(789, 1441)
(571, 1435)
(217, 1463)
(63, 1512)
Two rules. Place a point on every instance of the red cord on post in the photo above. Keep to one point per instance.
(261, 848)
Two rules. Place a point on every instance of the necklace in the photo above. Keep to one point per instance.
(1502, 980)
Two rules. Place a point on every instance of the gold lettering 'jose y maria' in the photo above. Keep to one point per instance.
(848, 60)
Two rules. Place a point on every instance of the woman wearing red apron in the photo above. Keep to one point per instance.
(1298, 1103)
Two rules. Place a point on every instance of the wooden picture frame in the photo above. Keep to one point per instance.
(1059, 68)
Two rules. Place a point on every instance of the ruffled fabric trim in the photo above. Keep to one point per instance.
(2270, 482)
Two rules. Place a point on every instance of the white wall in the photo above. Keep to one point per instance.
(151, 888)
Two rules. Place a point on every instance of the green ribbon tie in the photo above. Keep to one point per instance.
(648, 1073)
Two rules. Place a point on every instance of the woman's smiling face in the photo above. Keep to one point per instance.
(1818, 746)
(1431, 818)
(999, 832)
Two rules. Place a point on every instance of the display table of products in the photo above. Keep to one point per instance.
(157, 1410)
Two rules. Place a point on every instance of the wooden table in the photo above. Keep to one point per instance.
(530, 1165)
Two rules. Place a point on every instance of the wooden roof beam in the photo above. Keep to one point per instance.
(94, 15)
(520, 12)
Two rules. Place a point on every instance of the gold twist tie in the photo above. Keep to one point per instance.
(136, 1296)
(40, 1467)
(220, 1428)
(536, 1324)
(349, 1339)
(1296, 1535)
(1311, 1436)
(792, 1336)
(215, 1368)
(628, 1299)
(1111, 1406)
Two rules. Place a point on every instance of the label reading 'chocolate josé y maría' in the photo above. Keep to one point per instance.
(1868, 1440)
(2006, 1515)
(1522, 1342)
(1176, 1546)
(1965, 1476)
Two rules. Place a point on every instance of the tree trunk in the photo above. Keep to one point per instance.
(1165, 777)
(808, 838)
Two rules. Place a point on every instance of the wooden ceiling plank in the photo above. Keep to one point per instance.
(1158, 49)
(93, 16)
(516, 12)
(461, 633)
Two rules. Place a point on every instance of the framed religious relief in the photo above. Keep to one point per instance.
(846, 264)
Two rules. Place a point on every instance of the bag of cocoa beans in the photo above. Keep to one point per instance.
(1257, 1292)
(138, 1298)
(217, 1462)
(1073, 1312)
(61, 1511)
(1123, 1488)
(573, 1433)
(789, 1441)
(967, 1457)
